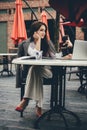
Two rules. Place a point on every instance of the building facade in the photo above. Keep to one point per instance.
(7, 10)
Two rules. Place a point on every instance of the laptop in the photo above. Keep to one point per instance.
(80, 50)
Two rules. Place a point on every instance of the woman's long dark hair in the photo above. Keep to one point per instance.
(44, 42)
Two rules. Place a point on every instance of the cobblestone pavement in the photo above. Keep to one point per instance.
(10, 97)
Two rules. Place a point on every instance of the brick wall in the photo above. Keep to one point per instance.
(9, 16)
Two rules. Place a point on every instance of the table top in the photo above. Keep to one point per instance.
(8, 54)
(52, 62)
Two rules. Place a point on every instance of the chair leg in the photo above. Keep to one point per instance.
(11, 67)
(70, 74)
(22, 94)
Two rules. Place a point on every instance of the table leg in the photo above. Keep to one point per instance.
(58, 98)
(5, 66)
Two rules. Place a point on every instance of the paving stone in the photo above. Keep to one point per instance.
(10, 97)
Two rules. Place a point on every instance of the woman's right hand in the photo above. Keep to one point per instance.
(37, 40)
(36, 36)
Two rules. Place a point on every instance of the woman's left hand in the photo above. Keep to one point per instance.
(69, 44)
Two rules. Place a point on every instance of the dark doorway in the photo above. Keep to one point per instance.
(28, 24)
(51, 25)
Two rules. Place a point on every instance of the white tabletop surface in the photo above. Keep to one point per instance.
(52, 62)
(8, 54)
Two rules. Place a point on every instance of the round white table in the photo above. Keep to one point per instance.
(52, 62)
(58, 84)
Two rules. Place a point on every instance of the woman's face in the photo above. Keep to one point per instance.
(42, 31)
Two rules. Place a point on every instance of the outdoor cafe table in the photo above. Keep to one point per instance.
(5, 63)
(59, 87)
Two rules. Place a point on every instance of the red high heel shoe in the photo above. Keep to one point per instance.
(38, 111)
(22, 105)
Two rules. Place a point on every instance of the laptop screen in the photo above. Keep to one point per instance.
(80, 50)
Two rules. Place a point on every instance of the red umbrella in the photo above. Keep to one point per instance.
(73, 10)
(44, 20)
(19, 31)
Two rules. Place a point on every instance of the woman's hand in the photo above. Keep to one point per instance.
(36, 36)
(69, 44)
(37, 40)
(67, 57)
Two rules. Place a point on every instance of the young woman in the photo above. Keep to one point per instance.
(36, 45)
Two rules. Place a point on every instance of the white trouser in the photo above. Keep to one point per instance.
(34, 83)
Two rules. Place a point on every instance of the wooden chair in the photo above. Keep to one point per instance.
(72, 70)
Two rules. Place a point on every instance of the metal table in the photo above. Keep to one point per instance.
(6, 62)
(58, 86)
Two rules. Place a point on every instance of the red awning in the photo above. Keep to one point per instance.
(74, 24)
(73, 10)
(19, 31)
